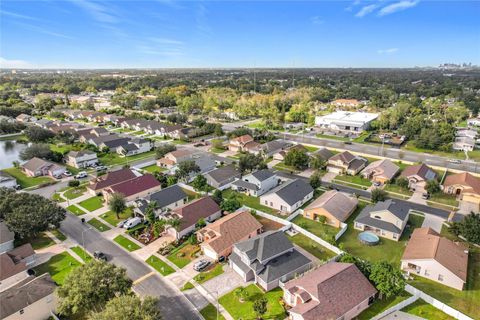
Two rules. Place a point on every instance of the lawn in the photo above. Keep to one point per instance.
(283, 167)
(210, 273)
(453, 154)
(244, 310)
(74, 192)
(311, 148)
(75, 210)
(396, 189)
(41, 241)
(387, 250)
(59, 266)
(126, 243)
(159, 265)
(112, 159)
(187, 286)
(179, 142)
(56, 197)
(61, 148)
(322, 230)
(60, 236)
(210, 313)
(381, 305)
(425, 310)
(111, 217)
(81, 253)
(191, 195)
(327, 136)
(153, 168)
(252, 202)
(355, 180)
(98, 225)
(183, 255)
(24, 181)
(443, 198)
(92, 204)
(217, 150)
(312, 247)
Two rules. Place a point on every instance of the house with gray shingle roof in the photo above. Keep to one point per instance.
(222, 178)
(288, 196)
(346, 162)
(166, 199)
(256, 183)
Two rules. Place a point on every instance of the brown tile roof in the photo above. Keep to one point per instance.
(111, 178)
(338, 204)
(193, 211)
(345, 157)
(420, 170)
(464, 179)
(135, 185)
(231, 229)
(334, 288)
(425, 243)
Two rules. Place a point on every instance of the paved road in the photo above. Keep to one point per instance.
(172, 303)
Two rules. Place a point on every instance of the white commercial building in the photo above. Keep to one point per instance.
(346, 120)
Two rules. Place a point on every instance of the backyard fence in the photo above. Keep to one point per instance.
(398, 306)
(139, 166)
(343, 229)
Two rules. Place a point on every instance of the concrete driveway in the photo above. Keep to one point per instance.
(433, 222)
(188, 269)
(417, 197)
(329, 176)
(224, 283)
(465, 207)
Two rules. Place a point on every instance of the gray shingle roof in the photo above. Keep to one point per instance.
(167, 196)
(223, 174)
(245, 184)
(262, 175)
(293, 191)
(283, 265)
(400, 210)
(265, 245)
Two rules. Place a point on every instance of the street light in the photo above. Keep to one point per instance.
(83, 243)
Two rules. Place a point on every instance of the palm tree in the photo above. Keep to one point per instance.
(175, 223)
(117, 204)
(159, 227)
(150, 212)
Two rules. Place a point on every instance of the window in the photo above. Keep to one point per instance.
(394, 236)
(440, 277)
(378, 217)
(22, 311)
(266, 202)
(427, 273)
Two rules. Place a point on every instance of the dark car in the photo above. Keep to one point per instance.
(100, 255)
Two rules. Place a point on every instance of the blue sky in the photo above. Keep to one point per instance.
(169, 33)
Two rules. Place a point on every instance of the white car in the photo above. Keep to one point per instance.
(132, 222)
(81, 174)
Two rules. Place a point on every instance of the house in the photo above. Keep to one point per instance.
(464, 144)
(134, 146)
(222, 178)
(268, 259)
(346, 121)
(335, 206)
(189, 214)
(32, 299)
(36, 167)
(418, 175)
(14, 265)
(99, 131)
(253, 147)
(436, 258)
(44, 123)
(96, 186)
(218, 238)
(113, 143)
(256, 183)
(165, 199)
(175, 157)
(332, 291)
(7, 238)
(238, 144)
(280, 155)
(386, 219)
(466, 132)
(381, 171)
(138, 187)
(273, 147)
(346, 162)
(475, 122)
(288, 196)
(81, 159)
(323, 153)
(7, 181)
(464, 185)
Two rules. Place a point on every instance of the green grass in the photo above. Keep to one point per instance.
(81, 253)
(111, 217)
(209, 274)
(92, 204)
(74, 193)
(159, 265)
(425, 310)
(62, 148)
(244, 310)
(311, 148)
(98, 225)
(187, 286)
(60, 236)
(210, 313)
(396, 189)
(326, 136)
(183, 255)
(126, 243)
(179, 142)
(312, 247)
(59, 266)
(191, 195)
(56, 197)
(154, 168)
(453, 154)
(24, 181)
(358, 180)
(41, 241)
(444, 198)
(217, 150)
(321, 230)
(137, 132)
(112, 159)
(252, 202)
(381, 305)
(75, 210)
(387, 250)
(283, 167)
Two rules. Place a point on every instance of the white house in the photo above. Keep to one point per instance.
(288, 196)
(256, 183)
(81, 159)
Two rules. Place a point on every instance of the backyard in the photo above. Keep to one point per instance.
(321, 230)
(314, 248)
(425, 310)
(153, 168)
(184, 254)
(59, 266)
(92, 204)
(159, 265)
(249, 201)
(24, 181)
(381, 305)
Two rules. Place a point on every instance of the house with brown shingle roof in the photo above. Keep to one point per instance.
(418, 175)
(97, 185)
(238, 144)
(381, 171)
(332, 291)
(217, 238)
(346, 162)
(134, 189)
(36, 167)
(464, 185)
(436, 258)
(14, 265)
(335, 206)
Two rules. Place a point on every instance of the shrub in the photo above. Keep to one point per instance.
(73, 183)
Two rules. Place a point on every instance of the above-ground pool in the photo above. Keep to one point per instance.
(368, 238)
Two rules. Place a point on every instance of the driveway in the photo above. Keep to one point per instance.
(273, 163)
(465, 207)
(329, 176)
(188, 269)
(433, 222)
(224, 283)
(417, 197)
(306, 173)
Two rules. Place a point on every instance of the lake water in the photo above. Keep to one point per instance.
(9, 152)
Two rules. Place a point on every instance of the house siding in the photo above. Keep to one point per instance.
(40, 310)
(434, 270)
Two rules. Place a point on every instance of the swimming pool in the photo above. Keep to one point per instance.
(368, 238)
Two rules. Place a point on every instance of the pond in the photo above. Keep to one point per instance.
(9, 152)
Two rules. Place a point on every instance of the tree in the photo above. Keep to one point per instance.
(260, 307)
(41, 151)
(28, 214)
(37, 134)
(230, 204)
(89, 287)
(150, 212)
(177, 118)
(249, 162)
(162, 178)
(241, 293)
(117, 204)
(297, 158)
(218, 130)
(432, 186)
(378, 195)
(200, 223)
(163, 149)
(174, 223)
(217, 196)
(402, 182)
(469, 228)
(171, 180)
(186, 168)
(388, 280)
(129, 307)
(317, 162)
(316, 180)
(200, 183)
(159, 227)
(73, 183)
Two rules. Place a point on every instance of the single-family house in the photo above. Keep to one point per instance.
(465, 186)
(268, 259)
(14, 265)
(96, 186)
(288, 197)
(138, 187)
(218, 238)
(7, 181)
(44, 123)
(81, 159)
(418, 175)
(346, 121)
(222, 178)
(175, 157)
(113, 143)
(332, 291)
(323, 153)
(335, 206)
(386, 219)
(7, 238)
(346, 162)
(381, 171)
(280, 155)
(165, 200)
(257, 183)
(36, 167)
(436, 258)
(134, 146)
(273, 147)
(238, 144)
(466, 132)
(475, 122)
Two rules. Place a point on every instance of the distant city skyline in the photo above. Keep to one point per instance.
(89, 34)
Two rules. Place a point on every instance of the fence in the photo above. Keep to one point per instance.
(343, 229)
(396, 307)
(139, 166)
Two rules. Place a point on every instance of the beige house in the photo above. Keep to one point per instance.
(381, 171)
(175, 157)
(436, 258)
(36, 167)
(238, 144)
(418, 175)
(346, 162)
(81, 159)
(465, 186)
(335, 206)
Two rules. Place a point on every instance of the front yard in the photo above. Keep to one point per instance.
(127, 244)
(184, 254)
(210, 312)
(112, 219)
(59, 266)
(210, 273)
(314, 248)
(321, 230)
(24, 181)
(396, 189)
(41, 241)
(75, 210)
(74, 193)
(92, 204)
(443, 198)
(98, 225)
(353, 181)
(81, 253)
(159, 265)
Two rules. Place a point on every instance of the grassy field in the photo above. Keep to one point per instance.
(126, 243)
(322, 230)
(92, 204)
(60, 236)
(381, 305)
(59, 266)
(74, 193)
(24, 181)
(424, 310)
(312, 247)
(244, 310)
(159, 265)
(98, 225)
(111, 217)
(82, 253)
(252, 202)
(153, 168)
(75, 210)
(183, 255)
(210, 273)
(210, 313)
(354, 180)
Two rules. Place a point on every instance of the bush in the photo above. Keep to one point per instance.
(73, 183)
(322, 219)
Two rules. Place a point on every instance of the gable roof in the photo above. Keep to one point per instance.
(111, 178)
(195, 210)
(421, 170)
(330, 291)
(11, 262)
(338, 204)
(425, 243)
(464, 179)
(345, 157)
(167, 196)
(293, 191)
(265, 245)
(243, 139)
(383, 168)
(400, 210)
(135, 185)
(35, 164)
(275, 145)
(324, 153)
(223, 174)
(81, 153)
(262, 175)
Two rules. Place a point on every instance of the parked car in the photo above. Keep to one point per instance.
(57, 176)
(100, 255)
(455, 161)
(100, 168)
(121, 223)
(81, 174)
(67, 174)
(377, 184)
(132, 222)
(426, 196)
(200, 265)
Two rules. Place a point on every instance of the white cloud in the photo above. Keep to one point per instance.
(16, 15)
(43, 30)
(366, 10)
(387, 51)
(97, 11)
(14, 64)
(317, 20)
(398, 6)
